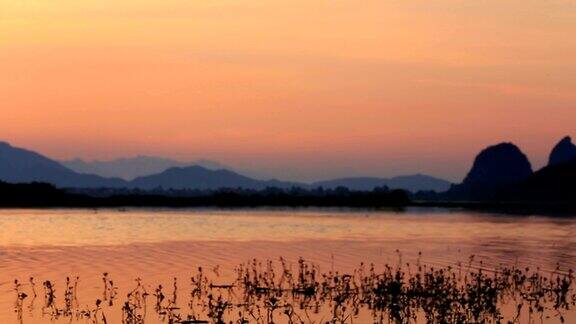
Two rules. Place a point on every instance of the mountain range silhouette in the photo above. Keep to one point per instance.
(22, 166)
(197, 177)
(134, 167)
(501, 172)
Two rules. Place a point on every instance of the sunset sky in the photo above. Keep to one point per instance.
(298, 89)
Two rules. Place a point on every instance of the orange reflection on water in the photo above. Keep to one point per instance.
(157, 245)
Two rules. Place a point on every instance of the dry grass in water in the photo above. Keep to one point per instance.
(280, 292)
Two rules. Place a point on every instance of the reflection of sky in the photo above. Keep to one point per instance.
(158, 245)
(504, 236)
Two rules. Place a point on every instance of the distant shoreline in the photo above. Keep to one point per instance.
(511, 208)
(42, 195)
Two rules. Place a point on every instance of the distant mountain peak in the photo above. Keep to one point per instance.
(129, 168)
(563, 152)
(495, 168)
(199, 177)
(19, 165)
(499, 164)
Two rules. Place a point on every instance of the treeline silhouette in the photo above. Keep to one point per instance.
(46, 195)
(33, 195)
(42, 195)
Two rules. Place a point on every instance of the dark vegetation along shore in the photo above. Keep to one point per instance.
(46, 195)
(42, 195)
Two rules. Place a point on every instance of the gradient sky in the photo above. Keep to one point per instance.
(299, 89)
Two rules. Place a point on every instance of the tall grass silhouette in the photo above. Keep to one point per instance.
(299, 292)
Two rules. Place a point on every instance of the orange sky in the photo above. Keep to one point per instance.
(297, 88)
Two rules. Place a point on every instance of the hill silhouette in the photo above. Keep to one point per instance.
(143, 166)
(503, 173)
(495, 169)
(564, 151)
(131, 168)
(555, 183)
(19, 165)
(197, 177)
(499, 173)
(22, 166)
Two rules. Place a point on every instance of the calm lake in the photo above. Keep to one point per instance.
(160, 245)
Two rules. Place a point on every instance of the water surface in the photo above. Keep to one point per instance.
(157, 245)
